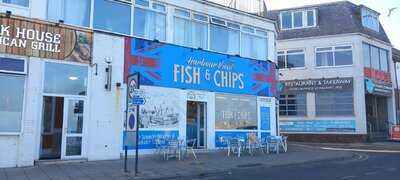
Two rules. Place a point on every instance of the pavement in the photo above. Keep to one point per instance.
(208, 164)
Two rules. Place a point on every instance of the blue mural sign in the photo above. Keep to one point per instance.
(265, 118)
(174, 66)
(147, 138)
(318, 126)
(222, 136)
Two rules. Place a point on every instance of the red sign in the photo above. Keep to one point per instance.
(377, 74)
(395, 133)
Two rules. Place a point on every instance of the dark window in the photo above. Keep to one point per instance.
(292, 105)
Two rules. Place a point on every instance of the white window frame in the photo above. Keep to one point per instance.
(17, 6)
(304, 18)
(368, 13)
(150, 8)
(24, 74)
(333, 50)
(91, 14)
(285, 53)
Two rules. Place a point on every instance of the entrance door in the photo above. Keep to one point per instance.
(377, 117)
(72, 140)
(196, 123)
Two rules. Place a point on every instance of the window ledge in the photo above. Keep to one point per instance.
(289, 69)
(326, 67)
(14, 6)
(10, 133)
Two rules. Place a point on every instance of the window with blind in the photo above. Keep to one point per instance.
(334, 103)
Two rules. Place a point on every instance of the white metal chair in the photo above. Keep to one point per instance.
(234, 146)
(173, 149)
(190, 146)
(273, 143)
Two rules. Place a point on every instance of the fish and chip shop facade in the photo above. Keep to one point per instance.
(196, 94)
(63, 83)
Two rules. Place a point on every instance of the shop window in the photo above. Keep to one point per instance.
(224, 37)
(11, 102)
(65, 79)
(24, 3)
(291, 59)
(334, 56)
(190, 30)
(375, 57)
(254, 44)
(292, 105)
(112, 16)
(150, 22)
(235, 111)
(334, 103)
(75, 12)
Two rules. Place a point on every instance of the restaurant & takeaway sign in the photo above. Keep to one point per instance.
(313, 85)
(35, 38)
(174, 66)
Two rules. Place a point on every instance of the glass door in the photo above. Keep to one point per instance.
(72, 141)
(201, 116)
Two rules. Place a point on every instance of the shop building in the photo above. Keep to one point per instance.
(207, 71)
(336, 74)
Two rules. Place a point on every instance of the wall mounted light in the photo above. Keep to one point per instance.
(8, 14)
(107, 85)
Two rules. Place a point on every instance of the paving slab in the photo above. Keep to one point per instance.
(154, 167)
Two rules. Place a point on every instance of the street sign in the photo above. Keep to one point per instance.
(138, 100)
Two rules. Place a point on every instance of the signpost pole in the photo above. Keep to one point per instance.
(137, 132)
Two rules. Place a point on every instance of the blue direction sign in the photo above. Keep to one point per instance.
(138, 100)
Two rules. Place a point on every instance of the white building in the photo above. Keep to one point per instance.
(63, 66)
(336, 73)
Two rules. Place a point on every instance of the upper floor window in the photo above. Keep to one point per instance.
(119, 20)
(150, 20)
(190, 29)
(375, 58)
(224, 36)
(370, 19)
(254, 43)
(334, 56)
(291, 59)
(24, 3)
(75, 12)
(298, 19)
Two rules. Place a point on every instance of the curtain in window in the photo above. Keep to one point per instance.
(149, 24)
(182, 32)
(325, 59)
(233, 42)
(254, 46)
(77, 12)
(18, 2)
(11, 102)
(200, 35)
(55, 10)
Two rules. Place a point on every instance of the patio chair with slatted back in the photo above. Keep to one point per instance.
(172, 149)
(190, 146)
(234, 146)
(273, 143)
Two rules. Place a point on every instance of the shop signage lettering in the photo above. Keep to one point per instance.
(30, 37)
(40, 40)
(378, 87)
(312, 85)
(174, 66)
(223, 77)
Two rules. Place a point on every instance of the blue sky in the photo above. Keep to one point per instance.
(390, 24)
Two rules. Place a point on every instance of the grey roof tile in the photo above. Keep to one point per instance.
(335, 18)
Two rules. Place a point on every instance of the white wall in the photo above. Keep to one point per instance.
(106, 108)
(311, 71)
